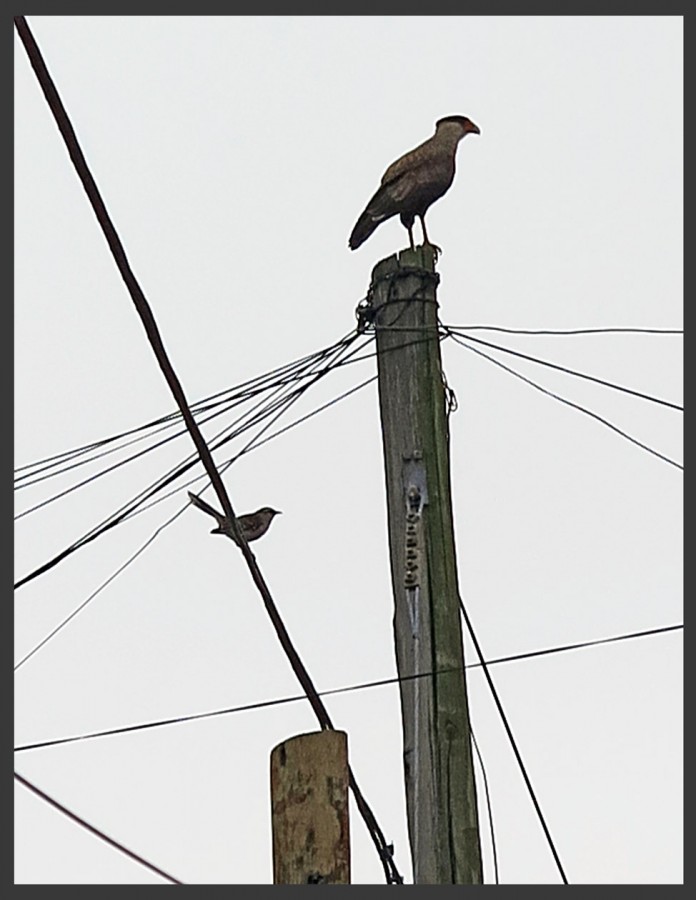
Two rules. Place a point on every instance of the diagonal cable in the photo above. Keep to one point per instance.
(95, 831)
(582, 409)
(144, 311)
(513, 743)
(366, 685)
(567, 371)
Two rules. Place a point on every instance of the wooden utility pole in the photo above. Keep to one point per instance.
(309, 809)
(440, 788)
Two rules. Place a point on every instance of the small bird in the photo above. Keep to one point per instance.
(411, 184)
(252, 525)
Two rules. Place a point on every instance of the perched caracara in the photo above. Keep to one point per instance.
(415, 181)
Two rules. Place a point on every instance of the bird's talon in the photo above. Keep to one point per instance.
(434, 247)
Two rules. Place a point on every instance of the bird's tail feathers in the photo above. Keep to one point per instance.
(364, 227)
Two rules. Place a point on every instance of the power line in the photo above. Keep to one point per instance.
(126, 510)
(567, 371)
(101, 587)
(285, 375)
(563, 331)
(95, 831)
(225, 399)
(577, 406)
(578, 646)
(488, 803)
(147, 318)
(309, 359)
(259, 443)
(138, 503)
(367, 685)
(513, 743)
(285, 380)
(161, 528)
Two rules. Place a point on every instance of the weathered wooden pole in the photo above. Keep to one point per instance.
(440, 788)
(309, 809)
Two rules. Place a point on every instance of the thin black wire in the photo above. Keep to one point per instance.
(568, 330)
(273, 387)
(101, 587)
(367, 685)
(255, 445)
(544, 362)
(488, 802)
(244, 391)
(230, 397)
(342, 344)
(271, 412)
(579, 646)
(127, 509)
(513, 743)
(286, 375)
(222, 408)
(267, 406)
(382, 682)
(577, 406)
(95, 831)
(149, 323)
(161, 528)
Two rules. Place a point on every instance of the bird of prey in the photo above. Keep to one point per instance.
(412, 183)
(252, 525)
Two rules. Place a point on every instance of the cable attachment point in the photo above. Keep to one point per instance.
(365, 313)
(451, 402)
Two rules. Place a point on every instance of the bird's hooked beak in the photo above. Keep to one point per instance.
(473, 129)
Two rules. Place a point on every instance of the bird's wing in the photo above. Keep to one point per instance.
(406, 163)
(388, 199)
(252, 522)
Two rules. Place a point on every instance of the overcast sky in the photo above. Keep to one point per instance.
(234, 155)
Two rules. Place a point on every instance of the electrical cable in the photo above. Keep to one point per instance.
(95, 831)
(145, 313)
(128, 510)
(138, 504)
(544, 362)
(161, 528)
(64, 462)
(223, 408)
(563, 331)
(577, 406)
(202, 406)
(488, 802)
(101, 587)
(513, 743)
(367, 685)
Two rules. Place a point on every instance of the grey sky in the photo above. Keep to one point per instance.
(234, 155)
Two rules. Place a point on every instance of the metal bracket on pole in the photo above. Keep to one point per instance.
(416, 494)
